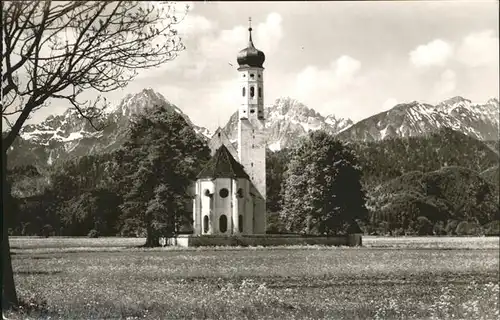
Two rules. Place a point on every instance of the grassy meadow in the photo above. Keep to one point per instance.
(387, 278)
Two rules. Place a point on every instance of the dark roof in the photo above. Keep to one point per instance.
(223, 165)
(250, 56)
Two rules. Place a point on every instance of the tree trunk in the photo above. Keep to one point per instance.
(152, 239)
(9, 295)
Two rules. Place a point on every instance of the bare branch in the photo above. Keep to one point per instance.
(51, 48)
(91, 112)
(7, 121)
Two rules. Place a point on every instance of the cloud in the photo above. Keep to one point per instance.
(312, 81)
(389, 104)
(205, 64)
(268, 34)
(209, 50)
(434, 53)
(447, 83)
(227, 43)
(479, 49)
(194, 24)
(327, 90)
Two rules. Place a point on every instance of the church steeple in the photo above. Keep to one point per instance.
(250, 42)
(251, 127)
(250, 56)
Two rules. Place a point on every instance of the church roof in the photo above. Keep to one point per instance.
(223, 165)
(250, 56)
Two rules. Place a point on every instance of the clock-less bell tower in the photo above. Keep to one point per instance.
(251, 127)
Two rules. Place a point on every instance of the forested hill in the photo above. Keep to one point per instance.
(441, 199)
(390, 158)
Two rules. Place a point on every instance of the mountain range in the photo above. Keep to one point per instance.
(414, 119)
(69, 135)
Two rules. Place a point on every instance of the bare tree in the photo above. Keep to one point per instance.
(57, 50)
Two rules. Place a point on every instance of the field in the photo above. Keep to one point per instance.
(388, 278)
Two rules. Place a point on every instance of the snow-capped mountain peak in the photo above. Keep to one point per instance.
(413, 119)
(287, 120)
(71, 133)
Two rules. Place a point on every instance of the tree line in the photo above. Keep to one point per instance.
(322, 186)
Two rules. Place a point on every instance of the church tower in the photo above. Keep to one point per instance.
(251, 127)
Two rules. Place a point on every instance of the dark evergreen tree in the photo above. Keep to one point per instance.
(159, 163)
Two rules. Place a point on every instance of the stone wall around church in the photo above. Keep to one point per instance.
(264, 240)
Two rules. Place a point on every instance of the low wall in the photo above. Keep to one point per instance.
(264, 240)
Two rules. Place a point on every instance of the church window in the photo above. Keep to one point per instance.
(258, 76)
(252, 111)
(223, 193)
(260, 92)
(223, 223)
(252, 75)
(243, 91)
(252, 92)
(205, 224)
(240, 193)
(240, 223)
(218, 134)
(251, 164)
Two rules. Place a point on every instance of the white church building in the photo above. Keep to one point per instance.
(230, 192)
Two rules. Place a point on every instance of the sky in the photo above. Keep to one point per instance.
(349, 59)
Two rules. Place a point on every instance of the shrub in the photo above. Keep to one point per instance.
(466, 228)
(47, 230)
(439, 229)
(274, 223)
(93, 233)
(451, 227)
(424, 226)
(492, 228)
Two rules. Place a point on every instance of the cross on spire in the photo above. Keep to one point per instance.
(250, 29)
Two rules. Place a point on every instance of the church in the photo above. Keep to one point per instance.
(229, 199)
(230, 192)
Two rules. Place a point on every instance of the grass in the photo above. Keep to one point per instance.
(415, 278)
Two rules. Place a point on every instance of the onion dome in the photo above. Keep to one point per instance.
(251, 56)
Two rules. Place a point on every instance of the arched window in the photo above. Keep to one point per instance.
(240, 223)
(223, 193)
(252, 92)
(223, 223)
(260, 92)
(243, 91)
(205, 224)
